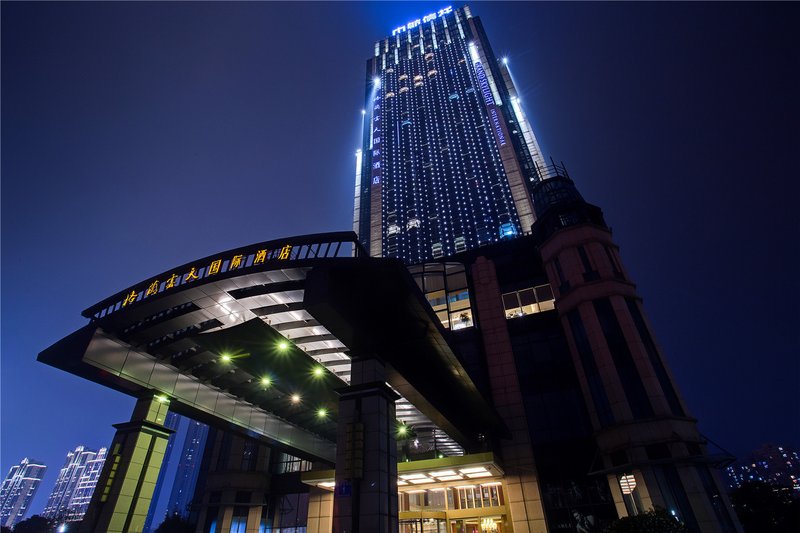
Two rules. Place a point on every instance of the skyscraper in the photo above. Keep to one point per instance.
(18, 490)
(448, 157)
(75, 484)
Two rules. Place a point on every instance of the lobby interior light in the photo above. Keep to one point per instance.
(296, 398)
(283, 346)
(473, 470)
(266, 381)
(318, 371)
(488, 524)
(322, 412)
(412, 476)
(226, 358)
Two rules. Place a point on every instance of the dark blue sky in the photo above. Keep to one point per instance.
(139, 136)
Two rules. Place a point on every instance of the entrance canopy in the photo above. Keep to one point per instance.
(261, 338)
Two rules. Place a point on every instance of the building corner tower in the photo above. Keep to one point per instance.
(649, 446)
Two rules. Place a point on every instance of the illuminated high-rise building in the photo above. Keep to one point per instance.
(18, 490)
(75, 484)
(448, 158)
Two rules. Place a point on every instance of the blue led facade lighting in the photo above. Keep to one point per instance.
(448, 158)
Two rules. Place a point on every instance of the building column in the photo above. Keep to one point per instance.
(320, 507)
(523, 494)
(365, 497)
(125, 488)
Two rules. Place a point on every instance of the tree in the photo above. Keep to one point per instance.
(175, 524)
(35, 524)
(762, 508)
(652, 521)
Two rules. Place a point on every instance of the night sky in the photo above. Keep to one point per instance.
(139, 136)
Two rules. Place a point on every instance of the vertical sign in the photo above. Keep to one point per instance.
(376, 139)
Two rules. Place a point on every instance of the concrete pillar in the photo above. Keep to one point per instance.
(125, 488)
(365, 497)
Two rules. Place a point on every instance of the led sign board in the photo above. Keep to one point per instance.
(218, 265)
(427, 18)
(232, 263)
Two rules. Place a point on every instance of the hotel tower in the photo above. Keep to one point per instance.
(448, 158)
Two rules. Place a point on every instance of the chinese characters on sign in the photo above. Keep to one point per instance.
(236, 262)
(376, 141)
(427, 18)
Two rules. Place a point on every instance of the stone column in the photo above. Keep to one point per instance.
(523, 494)
(365, 497)
(125, 488)
(320, 507)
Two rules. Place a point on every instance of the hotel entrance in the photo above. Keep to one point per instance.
(423, 525)
(483, 524)
(439, 525)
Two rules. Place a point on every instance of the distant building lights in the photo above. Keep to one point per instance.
(505, 61)
(363, 111)
(376, 81)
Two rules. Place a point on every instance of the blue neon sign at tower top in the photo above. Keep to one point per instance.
(427, 18)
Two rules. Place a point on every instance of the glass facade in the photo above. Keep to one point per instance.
(448, 156)
(445, 287)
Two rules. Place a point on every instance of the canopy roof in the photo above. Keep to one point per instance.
(261, 337)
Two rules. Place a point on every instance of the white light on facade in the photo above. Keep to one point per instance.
(627, 483)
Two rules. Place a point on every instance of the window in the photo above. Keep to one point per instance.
(249, 455)
(528, 301)
(589, 273)
(623, 359)
(596, 387)
(446, 289)
(288, 463)
(614, 266)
